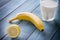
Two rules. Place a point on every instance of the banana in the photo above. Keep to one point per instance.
(29, 17)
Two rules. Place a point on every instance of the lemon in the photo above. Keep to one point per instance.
(13, 31)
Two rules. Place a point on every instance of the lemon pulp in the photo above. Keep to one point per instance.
(13, 31)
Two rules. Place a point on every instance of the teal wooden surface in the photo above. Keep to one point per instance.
(10, 7)
(3, 2)
(57, 18)
(24, 7)
(57, 35)
(49, 29)
(28, 30)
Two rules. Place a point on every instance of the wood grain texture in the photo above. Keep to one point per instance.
(28, 30)
(9, 7)
(3, 2)
(57, 18)
(57, 35)
(49, 29)
(29, 6)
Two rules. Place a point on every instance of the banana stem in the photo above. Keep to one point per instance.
(10, 21)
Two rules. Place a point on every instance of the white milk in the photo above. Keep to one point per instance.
(48, 10)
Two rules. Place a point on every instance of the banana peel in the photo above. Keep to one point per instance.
(29, 17)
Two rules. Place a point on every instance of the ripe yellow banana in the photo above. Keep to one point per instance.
(30, 17)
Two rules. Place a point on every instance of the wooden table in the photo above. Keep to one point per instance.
(9, 10)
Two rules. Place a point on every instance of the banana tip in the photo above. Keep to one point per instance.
(42, 30)
(10, 21)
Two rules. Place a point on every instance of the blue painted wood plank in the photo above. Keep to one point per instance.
(57, 18)
(3, 2)
(26, 30)
(27, 7)
(57, 35)
(49, 29)
(9, 7)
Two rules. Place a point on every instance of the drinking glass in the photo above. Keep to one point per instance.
(48, 9)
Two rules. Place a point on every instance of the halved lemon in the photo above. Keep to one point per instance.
(13, 31)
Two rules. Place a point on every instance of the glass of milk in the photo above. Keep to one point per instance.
(48, 9)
